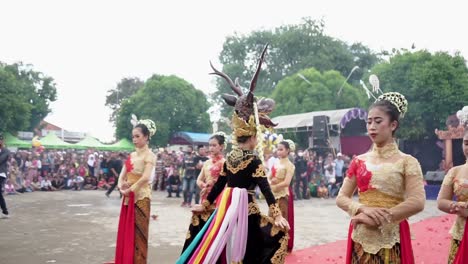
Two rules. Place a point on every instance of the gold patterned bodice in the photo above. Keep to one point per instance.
(457, 178)
(135, 167)
(211, 170)
(282, 167)
(382, 176)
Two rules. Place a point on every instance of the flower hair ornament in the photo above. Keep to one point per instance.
(146, 122)
(292, 145)
(220, 133)
(396, 99)
(462, 115)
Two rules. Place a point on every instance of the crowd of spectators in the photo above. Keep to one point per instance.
(317, 175)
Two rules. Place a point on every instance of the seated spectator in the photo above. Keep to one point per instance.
(173, 185)
(10, 187)
(27, 186)
(89, 184)
(77, 183)
(46, 185)
(58, 182)
(111, 180)
(313, 186)
(35, 184)
(102, 184)
(322, 190)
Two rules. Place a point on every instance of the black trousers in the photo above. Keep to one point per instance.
(112, 187)
(2, 200)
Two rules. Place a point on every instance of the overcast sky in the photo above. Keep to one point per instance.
(89, 46)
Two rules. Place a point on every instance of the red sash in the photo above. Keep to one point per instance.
(462, 253)
(291, 219)
(125, 248)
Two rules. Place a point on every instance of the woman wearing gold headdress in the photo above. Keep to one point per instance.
(132, 236)
(236, 232)
(390, 188)
(455, 184)
(280, 180)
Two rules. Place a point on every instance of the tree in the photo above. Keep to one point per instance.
(309, 90)
(435, 85)
(292, 48)
(25, 97)
(171, 102)
(125, 88)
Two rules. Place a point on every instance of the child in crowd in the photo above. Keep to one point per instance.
(10, 187)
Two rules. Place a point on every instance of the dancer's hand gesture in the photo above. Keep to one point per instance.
(363, 219)
(198, 208)
(379, 215)
(281, 222)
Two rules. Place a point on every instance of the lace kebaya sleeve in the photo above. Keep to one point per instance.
(414, 192)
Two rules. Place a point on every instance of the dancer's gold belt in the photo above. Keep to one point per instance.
(375, 198)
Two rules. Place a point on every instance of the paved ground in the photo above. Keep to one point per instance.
(80, 227)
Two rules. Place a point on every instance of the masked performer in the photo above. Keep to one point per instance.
(390, 188)
(236, 232)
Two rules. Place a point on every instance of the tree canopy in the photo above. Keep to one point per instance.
(435, 85)
(309, 90)
(171, 102)
(292, 48)
(25, 97)
(125, 88)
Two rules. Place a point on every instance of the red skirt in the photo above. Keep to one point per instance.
(406, 250)
(132, 235)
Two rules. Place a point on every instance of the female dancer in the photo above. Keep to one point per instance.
(236, 232)
(212, 167)
(133, 182)
(280, 180)
(390, 188)
(208, 177)
(456, 184)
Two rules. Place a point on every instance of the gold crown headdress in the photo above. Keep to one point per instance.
(146, 122)
(396, 99)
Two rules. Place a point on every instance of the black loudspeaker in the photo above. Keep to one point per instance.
(320, 128)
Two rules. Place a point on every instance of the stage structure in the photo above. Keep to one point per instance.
(343, 130)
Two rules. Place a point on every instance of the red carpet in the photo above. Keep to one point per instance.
(430, 245)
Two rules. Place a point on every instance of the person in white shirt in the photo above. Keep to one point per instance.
(91, 163)
(46, 184)
(330, 174)
(77, 183)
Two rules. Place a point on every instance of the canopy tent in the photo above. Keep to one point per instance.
(89, 142)
(12, 141)
(122, 145)
(305, 121)
(189, 138)
(52, 141)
